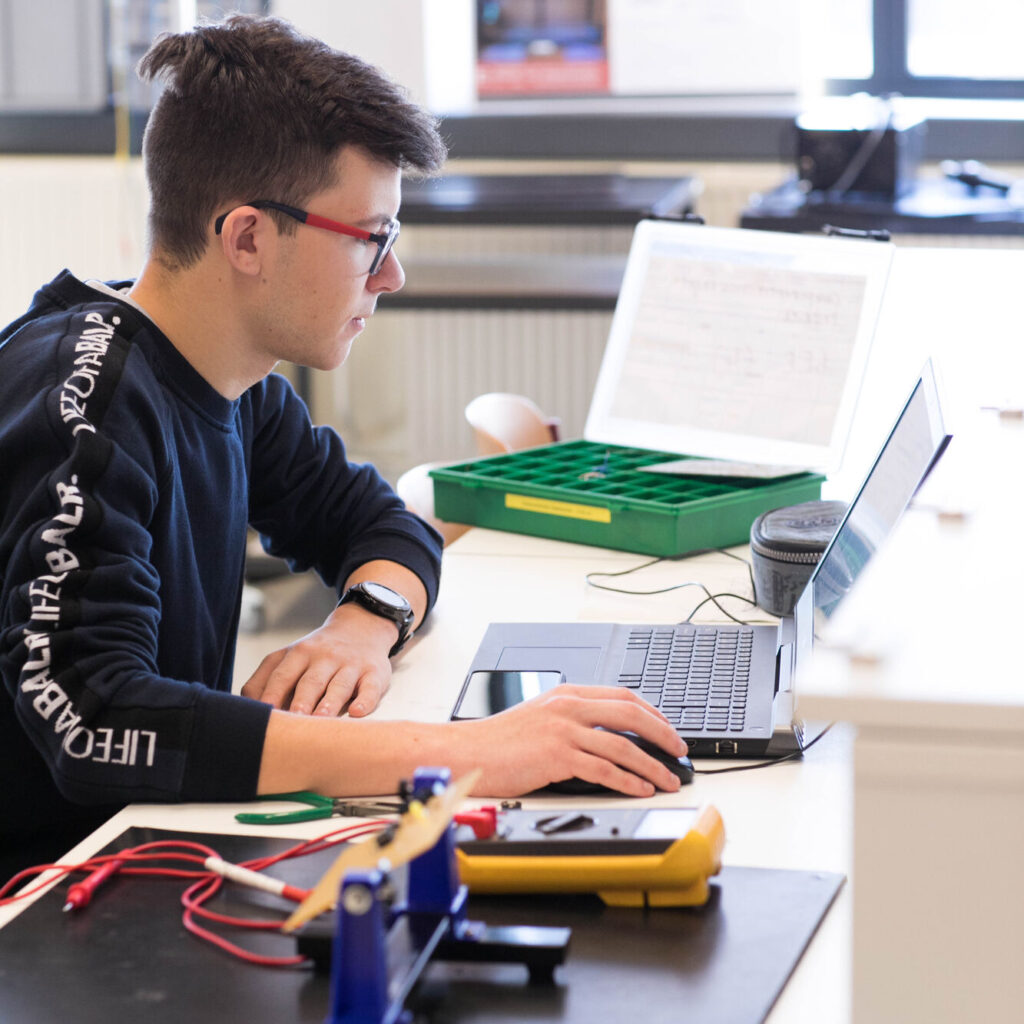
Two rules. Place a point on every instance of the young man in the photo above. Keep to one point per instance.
(142, 430)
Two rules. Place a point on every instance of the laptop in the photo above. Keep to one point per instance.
(727, 688)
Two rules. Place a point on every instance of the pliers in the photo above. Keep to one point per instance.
(319, 807)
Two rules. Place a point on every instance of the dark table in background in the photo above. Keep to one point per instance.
(936, 207)
(545, 280)
(544, 199)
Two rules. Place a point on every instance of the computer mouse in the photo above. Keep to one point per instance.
(681, 767)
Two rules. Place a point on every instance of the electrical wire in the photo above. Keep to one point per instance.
(184, 859)
(712, 598)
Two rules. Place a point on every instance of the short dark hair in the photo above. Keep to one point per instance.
(251, 108)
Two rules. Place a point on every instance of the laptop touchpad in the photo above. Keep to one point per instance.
(579, 664)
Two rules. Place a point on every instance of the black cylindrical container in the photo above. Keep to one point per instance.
(786, 544)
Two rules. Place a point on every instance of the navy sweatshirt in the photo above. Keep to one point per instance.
(126, 487)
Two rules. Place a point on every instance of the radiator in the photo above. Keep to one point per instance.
(447, 357)
(401, 396)
(84, 213)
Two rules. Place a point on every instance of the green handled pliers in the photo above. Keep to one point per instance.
(317, 807)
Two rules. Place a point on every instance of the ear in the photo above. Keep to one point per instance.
(245, 239)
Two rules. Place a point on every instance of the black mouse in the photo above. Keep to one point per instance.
(681, 767)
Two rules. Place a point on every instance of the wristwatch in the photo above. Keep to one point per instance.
(386, 603)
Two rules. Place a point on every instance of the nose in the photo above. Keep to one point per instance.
(389, 278)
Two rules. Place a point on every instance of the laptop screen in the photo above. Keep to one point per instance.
(912, 448)
(742, 345)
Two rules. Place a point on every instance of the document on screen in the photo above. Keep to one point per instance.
(736, 344)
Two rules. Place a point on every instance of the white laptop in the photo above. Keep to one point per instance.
(740, 345)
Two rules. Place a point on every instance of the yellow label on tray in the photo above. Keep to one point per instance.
(547, 507)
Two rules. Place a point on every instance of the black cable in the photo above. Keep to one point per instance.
(626, 572)
(713, 598)
(765, 764)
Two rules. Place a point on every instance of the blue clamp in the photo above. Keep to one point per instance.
(359, 976)
(433, 924)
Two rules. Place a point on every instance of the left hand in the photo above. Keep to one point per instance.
(344, 660)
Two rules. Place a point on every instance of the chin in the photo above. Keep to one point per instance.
(337, 357)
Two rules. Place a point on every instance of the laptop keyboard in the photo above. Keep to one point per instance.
(697, 676)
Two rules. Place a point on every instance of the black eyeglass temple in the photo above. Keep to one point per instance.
(263, 204)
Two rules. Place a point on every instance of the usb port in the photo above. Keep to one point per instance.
(725, 747)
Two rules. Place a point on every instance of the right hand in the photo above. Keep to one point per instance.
(554, 736)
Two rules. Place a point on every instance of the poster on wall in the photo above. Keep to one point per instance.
(638, 47)
(541, 48)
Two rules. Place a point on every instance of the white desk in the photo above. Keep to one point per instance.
(788, 816)
(924, 659)
(958, 306)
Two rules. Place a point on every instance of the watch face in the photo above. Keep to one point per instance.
(388, 603)
(383, 594)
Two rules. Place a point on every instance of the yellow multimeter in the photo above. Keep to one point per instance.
(658, 857)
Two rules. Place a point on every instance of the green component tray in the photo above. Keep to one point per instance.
(592, 493)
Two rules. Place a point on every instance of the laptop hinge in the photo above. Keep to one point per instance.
(784, 667)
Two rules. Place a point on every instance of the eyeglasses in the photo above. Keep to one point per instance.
(383, 239)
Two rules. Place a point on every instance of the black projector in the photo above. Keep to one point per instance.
(880, 161)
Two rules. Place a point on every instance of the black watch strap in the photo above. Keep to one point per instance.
(388, 604)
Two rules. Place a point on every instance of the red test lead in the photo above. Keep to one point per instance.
(80, 894)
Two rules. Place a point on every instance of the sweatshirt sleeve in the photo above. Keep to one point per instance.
(320, 511)
(83, 603)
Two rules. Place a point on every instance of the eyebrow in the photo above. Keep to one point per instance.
(382, 218)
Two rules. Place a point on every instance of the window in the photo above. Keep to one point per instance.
(735, 71)
(937, 48)
(79, 55)
(925, 48)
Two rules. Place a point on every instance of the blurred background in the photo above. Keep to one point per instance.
(567, 120)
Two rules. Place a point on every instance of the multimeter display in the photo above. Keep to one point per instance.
(656, 856)
(666, 823)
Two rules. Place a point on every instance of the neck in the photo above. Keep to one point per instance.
(195, 310)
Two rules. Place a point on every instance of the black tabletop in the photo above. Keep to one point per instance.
(938, 207)
(541, 199)
(127, 957)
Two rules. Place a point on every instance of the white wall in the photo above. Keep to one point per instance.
(426, 45)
